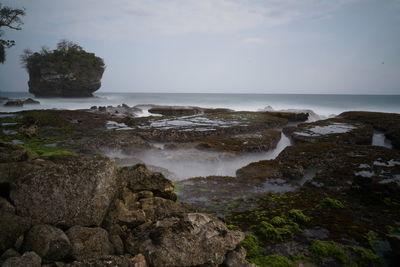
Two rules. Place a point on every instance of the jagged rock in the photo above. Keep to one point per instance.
(120, 261)
(157, 208)
(48, 242)
(237, 258)
(88, 242)
(190, 240)
(124, 214)
(6, 206)
(11, 227)
(138, 178)
(128, 210)
(28, 259)
(66, 190)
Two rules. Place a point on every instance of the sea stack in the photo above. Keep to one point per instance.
(67, 71)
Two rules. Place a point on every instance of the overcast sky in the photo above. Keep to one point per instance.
(232, 46)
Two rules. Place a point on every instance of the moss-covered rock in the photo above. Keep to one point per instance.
(254, 142)
(338, 131)
(389, 123)
(290, 116)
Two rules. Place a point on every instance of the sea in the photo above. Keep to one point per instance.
(326, 105)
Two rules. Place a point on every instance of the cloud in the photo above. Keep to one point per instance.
(258, 41)
(123, 19)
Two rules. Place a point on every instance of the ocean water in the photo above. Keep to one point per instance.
(325, 105)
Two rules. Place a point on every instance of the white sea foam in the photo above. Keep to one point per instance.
(324, 105)
(334, 128)
(185, 163)
(379, 139)
(366, 174)
(390, 163)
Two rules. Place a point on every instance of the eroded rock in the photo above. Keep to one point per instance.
(190, 240)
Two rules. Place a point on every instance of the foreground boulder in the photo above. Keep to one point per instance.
(89, 242)
(120, 261)
(11, 228)
(67, 71)
(191, 240)
(29, 259)
(48, 242)
(66, 190)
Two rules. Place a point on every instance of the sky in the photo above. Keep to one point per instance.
(221, 46)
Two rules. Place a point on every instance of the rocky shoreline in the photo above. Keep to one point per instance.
(68, 198)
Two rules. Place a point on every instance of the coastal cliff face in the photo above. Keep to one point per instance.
(68, 71)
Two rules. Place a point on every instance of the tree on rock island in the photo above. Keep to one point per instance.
(9, 18)
(68, 71)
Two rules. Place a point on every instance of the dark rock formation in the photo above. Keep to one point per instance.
(120, 261)
(11, 228)
(389, 123)
(88, 242)
(14, 103)
(20, 103)
(185, 110)
(191, 240)
(338, 131)
(290, 116)
(71, 190)
(48, 242)
(244, 143)
(29, 259)
(68, 71)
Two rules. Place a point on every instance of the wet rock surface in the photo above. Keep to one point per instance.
(389, 123)
(185, 110)
(331, 199)
(333, 130)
